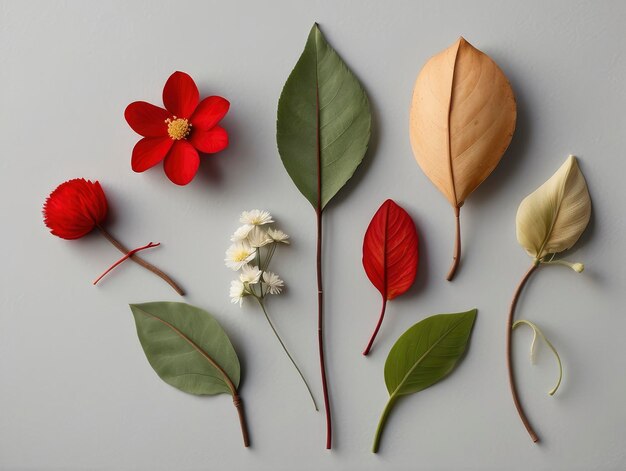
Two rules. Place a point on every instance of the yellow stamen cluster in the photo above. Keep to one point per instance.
(178, 128)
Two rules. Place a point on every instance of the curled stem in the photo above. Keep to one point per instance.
(457, 245)
(380, 321)
(286, 351)
(537, 332)
(140, 261)
(509, 358)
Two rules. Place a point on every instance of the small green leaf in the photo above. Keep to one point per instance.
(324, 120)
(424, 355)
(187, 348)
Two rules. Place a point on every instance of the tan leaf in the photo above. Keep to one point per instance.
(553, 217)
(461, 121)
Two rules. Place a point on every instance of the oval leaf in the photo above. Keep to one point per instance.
(423, 356)
(187, 348)
(462, 119)
(390, 253)
(553, 217)
(427, 352)
(324, 120)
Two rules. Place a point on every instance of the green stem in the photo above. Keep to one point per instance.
(382, 421)
(287, 351)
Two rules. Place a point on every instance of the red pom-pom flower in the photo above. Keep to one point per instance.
(77, 207)
(177, 133)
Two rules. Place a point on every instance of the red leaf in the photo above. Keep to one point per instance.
(390, 254)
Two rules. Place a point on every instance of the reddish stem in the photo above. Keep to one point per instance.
(140, 261)
(320, 331)
(126, 257)
(509, 360)
(380, 321)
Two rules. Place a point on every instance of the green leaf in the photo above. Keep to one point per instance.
(324, 122)
(423, 356)
(187, 348)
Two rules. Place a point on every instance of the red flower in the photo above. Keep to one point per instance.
(176, 134)
(75, 208)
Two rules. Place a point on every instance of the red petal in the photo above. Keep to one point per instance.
(390, 252)
(150, 151)
(211, 141)
(74, 208)
(209, 112)
(180, 95)
(182, 162)
(146, 119)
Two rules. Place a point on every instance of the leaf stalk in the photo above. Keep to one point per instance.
(380, 321)
(509, 359)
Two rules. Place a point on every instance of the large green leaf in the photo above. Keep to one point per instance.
(324, 121)
(187, 348)
(424, 355)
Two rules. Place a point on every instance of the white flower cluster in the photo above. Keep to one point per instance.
(251, 252)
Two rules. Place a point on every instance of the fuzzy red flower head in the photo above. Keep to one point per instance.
(175, 134)
(75, 208)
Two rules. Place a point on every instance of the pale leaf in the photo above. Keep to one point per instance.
(553, 217)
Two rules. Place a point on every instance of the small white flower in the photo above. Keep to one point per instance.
(258, 237)
(250, 275)
(237, 292)
(238, 255)
(255, 217)
(273, 283)
(241, 233)
(278, 236)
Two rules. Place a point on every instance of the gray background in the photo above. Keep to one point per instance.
(76, 391)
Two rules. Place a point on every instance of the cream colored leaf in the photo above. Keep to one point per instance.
(462, 119)
(552, 218)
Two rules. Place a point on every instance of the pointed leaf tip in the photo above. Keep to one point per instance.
(324, 120)
(552, 218)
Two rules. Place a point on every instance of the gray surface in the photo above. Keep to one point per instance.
(75, 387)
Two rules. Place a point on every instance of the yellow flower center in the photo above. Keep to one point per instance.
(241, 255)
(178, 128)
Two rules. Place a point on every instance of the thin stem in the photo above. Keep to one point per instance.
(380, 321)
(457, 245)
(149, 245)
(537, 332)
(286, 351)
(320, 331)
(137, 259)
(242, 419)
(509, 359)
(382, 421)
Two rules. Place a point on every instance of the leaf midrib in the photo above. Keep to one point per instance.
(556, 214)
(424, 355)
(204, 354)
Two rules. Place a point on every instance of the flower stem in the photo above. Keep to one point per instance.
(509, 359)
(320, 330)
(382, 421)
(286, 351)
(457, 245)
(135, 258)
(149, 245)
(380, 321)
